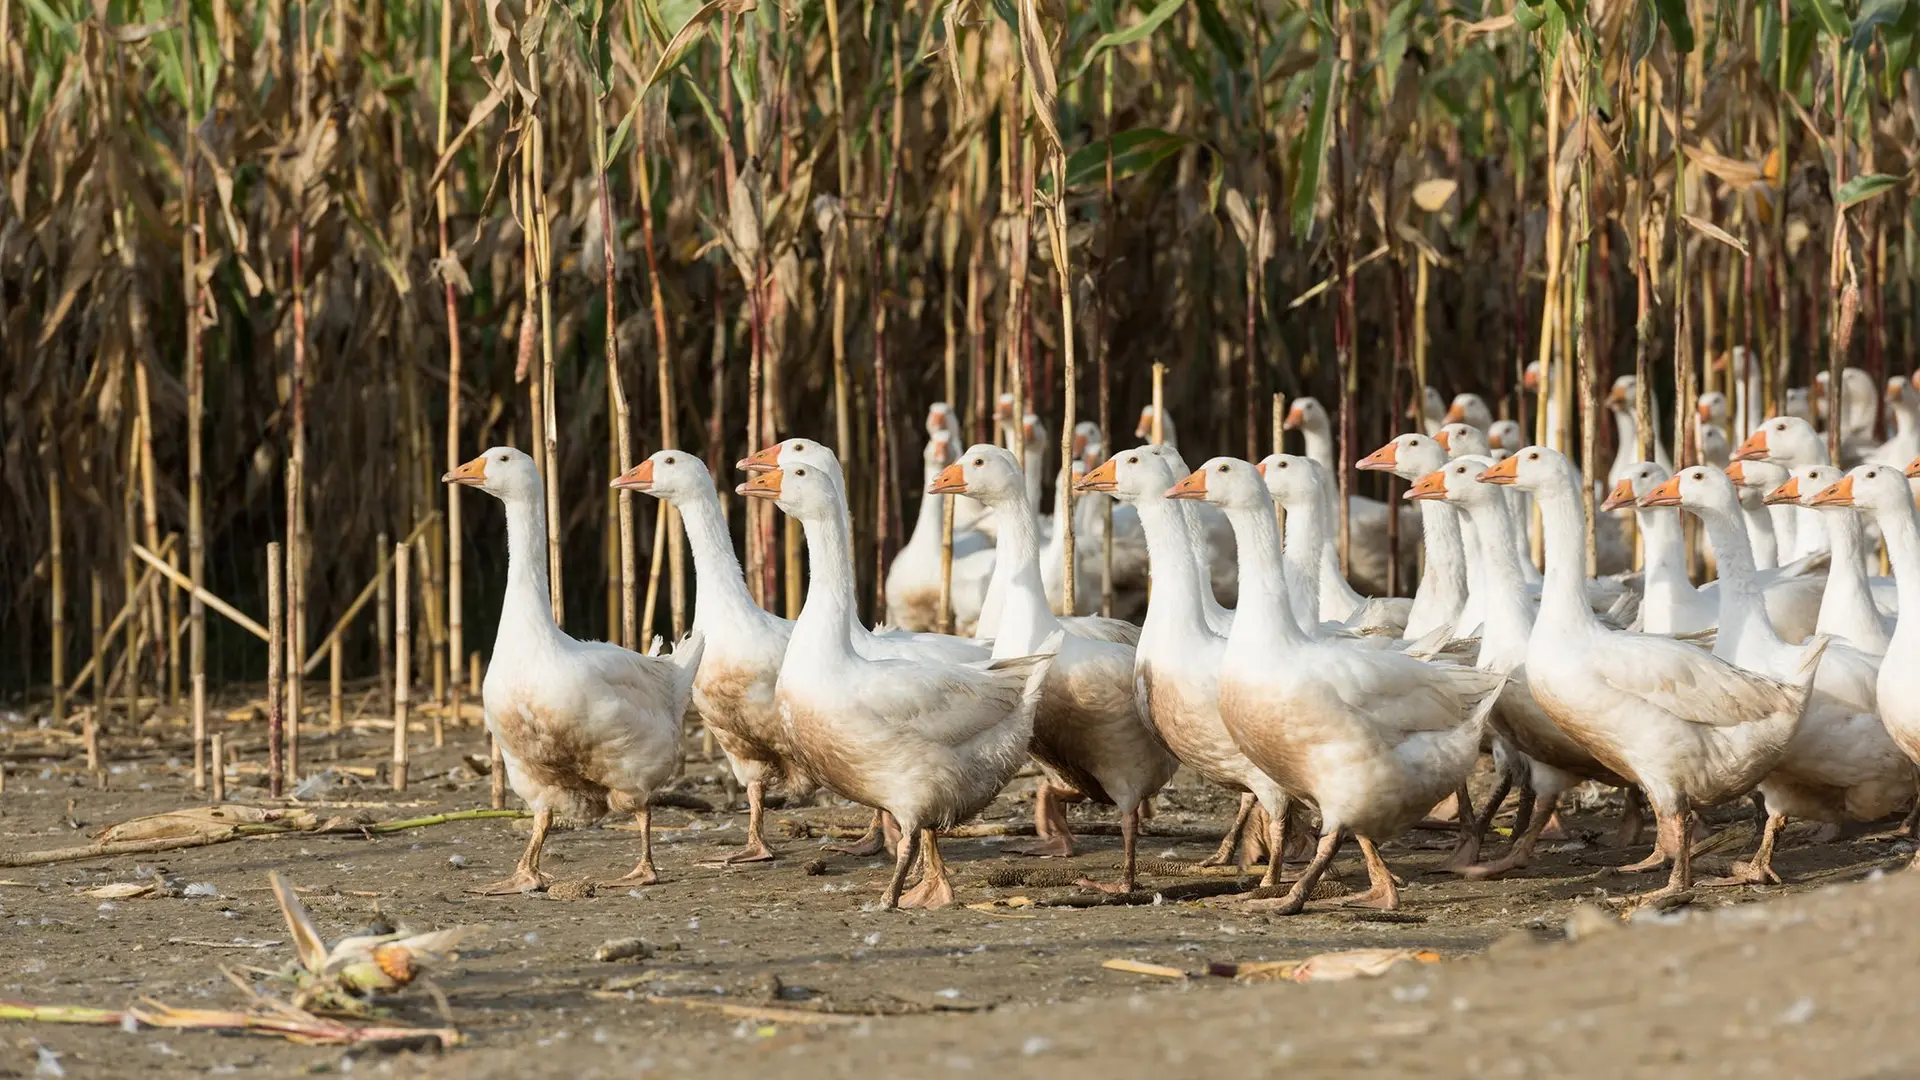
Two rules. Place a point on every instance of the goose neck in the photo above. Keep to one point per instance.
(1901, 531)
(1025, 618)
(1318, 438)
(1563, 597)
(1846, 608)
(1505, 611)
(721, 597)
(528, 604)
(1264, 616)
(1743, 614)
(827, 617)
(1173, 604)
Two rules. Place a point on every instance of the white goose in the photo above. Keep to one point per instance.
(1441, 599)
(967, 513)
(1883, 492)
(930, 742)
(1789, 442)
(1626, 430)
(1367, 518)
(1088, 729)
(1859, 410)
(1847, 611)
(1688, 728)
(1312, 560)
(1372, 736)
(1470, 409)
(1504, 437)
(1770, 528)
(583, 726)
(1669, 602)
(1840, 765)
(1430, 410)
(1208, 524)
(1555, 763)
(744, 643)
(913, 580)
(1903, 411)
(1177, 661)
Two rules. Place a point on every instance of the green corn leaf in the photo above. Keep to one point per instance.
(1222, 35)
(1864, 187)
(1832, 19)
(1313, 148)
(1134, 152)
(1131, 34)
(1897, 16)
(1674, 14)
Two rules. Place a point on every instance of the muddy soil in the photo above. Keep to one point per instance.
(1746, 981)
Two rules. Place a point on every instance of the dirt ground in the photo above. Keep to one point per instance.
(1795, 981)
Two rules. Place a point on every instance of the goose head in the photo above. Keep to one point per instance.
(1754, 479)
(1712, 407)
(1620, 397)
(1143, 428)
(1087, 441)
(1639, 480)
(1229, 483)
(669, 474)
(1702, 490)
(788, 452)
(940, 452)
(1799, 403)
(502, 472)
(1307, 414)
(940, 417)
(1140, 474)
(1470, 409)
(1003, 411)
(1409, 456)
(1538, 469)
(1804, 483)
(1464, 440)
(1033, 432)
(1293, 481)
(1530, 378)
(1431, 407)
(802, 491)
(1869, 487)
(1715, 450)
(1504, 437)
(1458, 482)
(1783, 440)
(985, 472)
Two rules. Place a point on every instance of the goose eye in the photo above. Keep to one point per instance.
(1699, 475)
(979, 462)
(1223, 468)
(502, 457)
(1283, 464)
(1873, 474)
(670, 459)
(1535, 456)
(799, 472)
(1134, 460)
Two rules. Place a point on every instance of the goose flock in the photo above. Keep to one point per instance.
(1253, 662)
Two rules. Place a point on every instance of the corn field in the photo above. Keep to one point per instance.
(267, 269)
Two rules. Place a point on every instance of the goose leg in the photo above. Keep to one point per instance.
(1521, 853)
(756, 849)
(1276, 842)
(1223, 854)
(643, 873)
(935, 889)
(1759, 869)
(903, 857)
(526, 875)
(1382, 893)
(1296, 899)
(1632, 816)
(1474, 829)
(1673, 837)
(1053, 837)
(881, 835)
(1129, 833)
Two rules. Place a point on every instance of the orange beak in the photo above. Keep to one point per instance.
(1104, 478)
(1456, 414)
(1788, 492)
(1431, 486)
(1840, 494)
(472, 474)
(1445, 440)
(1079, 445)
(1703, 411)
(1718, 363)
(1737, 472)
(1145, 427)
(1895, 387)
(1620, 497)
(1193, 487)
(1495, 442)
(1294, 419)
(1913, 469)
(1754, 449)
(950, 482)
(1384, 458)
(767, 457)
(1506, 472)
(1617, 395)
(1667, 494)
(761, 485)
(638, 478)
